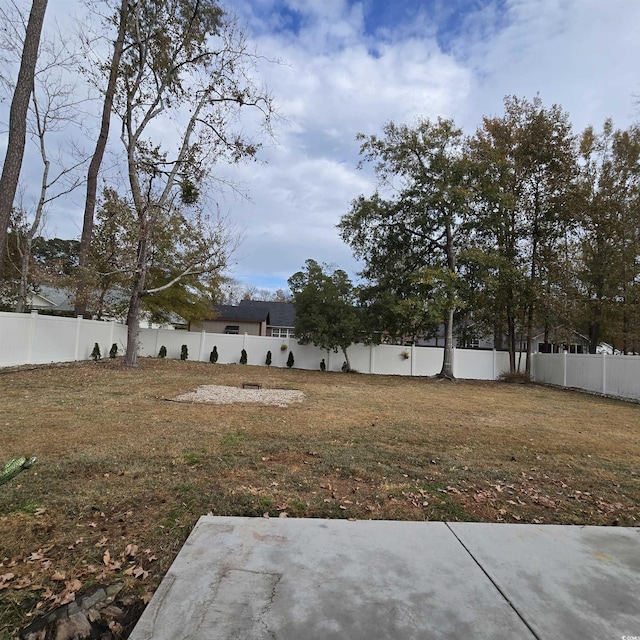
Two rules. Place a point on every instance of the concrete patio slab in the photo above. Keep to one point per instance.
(254, 578)
(293, 579)
(566, 582)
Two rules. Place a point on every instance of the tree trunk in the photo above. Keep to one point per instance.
(447, 359)
(18, 120)
(135, 304)
(346, 359)
(21, 302)
(594, 328)
(94, 167)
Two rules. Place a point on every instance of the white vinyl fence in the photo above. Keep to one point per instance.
(39, 339)
(617, 376)
(36, 339)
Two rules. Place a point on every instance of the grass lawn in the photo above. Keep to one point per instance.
(123, 473)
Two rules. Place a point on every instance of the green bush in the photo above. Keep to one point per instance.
(213, 356)
(113, 352)
(95, 354)
(184, 352)
(268, 360)
(290, 360)
(243, 357)
(163, 352)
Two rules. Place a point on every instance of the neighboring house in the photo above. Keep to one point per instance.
(60, 301)
(253, 317)
(52, 300)
(559, 339)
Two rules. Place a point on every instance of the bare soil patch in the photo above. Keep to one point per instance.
(122, 475)
(221, 394)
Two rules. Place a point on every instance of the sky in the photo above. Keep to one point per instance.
(346, 66)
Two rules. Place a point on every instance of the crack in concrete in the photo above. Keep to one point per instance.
(495, 584)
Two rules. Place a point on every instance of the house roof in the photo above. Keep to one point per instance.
(275, 314)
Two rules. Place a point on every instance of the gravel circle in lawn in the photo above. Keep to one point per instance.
(217, 394)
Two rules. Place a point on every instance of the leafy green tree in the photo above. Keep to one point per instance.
(409, 240)
(608, 202)
(326, 312)
(524, 165)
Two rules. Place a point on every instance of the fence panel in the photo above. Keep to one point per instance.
(623, 376)
(584, 372)
(15, 338)
(473, 364)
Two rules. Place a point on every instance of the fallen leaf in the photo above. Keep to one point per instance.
(131, 550)
(73, 585)
(102, 542)
(106, 558)
(139, 572)
(58, 575)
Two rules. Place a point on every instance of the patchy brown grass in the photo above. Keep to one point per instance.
(121, 469)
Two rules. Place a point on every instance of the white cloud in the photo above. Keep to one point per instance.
(341, 76)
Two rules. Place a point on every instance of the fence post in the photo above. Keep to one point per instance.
(79, 320)
(201, 354)
(493, 365)
(604, 373)
(32, 335)
(371, 358)
(413, 359)
(564, 368)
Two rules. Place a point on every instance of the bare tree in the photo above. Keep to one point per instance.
(186, 67)
(18, 120)
(96, 162)
(53, 107)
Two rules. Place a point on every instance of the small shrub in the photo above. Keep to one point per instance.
(513, 377)
(404, 355)
(163, 352)
(113, 352)
(213, 356)
(184, 352)
(268, 359)
(95, 354)
(243, 357)
(283, 347)
(290, 360)
(323, 366)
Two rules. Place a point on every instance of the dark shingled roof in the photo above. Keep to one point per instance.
(281, 314)
(276, 314)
